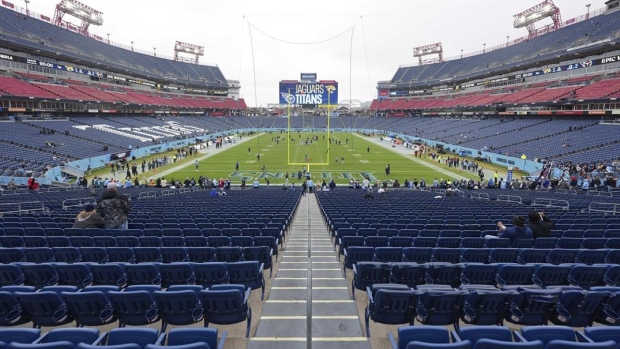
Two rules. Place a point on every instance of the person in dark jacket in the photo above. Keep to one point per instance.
(113, 207)
(88, 218)
(517, 231)
(540, 224)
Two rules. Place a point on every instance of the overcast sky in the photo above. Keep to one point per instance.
(384, 33)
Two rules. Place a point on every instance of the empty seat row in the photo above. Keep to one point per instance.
(140, 305)
(398, 304)
(354, 254)
(142, 241)
(273, 230)
(82, 275)
(485, 276)
(493, 337)
(475, 242)
(224, 253)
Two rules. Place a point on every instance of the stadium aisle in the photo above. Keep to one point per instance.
(309, 298)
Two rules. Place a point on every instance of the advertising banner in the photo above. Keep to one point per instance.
(299, 93)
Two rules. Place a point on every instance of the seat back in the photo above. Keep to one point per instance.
(78, 275)
(143, 274)
(486, 307)
(474, 255)
(19, 335)
(440, 307)
(89, 308)
(427, 334)
(532, 307)
(139, 336)
(547, 334)
(511, 274)
(212, 273)
(224, 306)
(418, 255)
(135, 308)
(44, 308)
(11, 274)
(178, 307)
(356, 254)
(202, 254)
(73, 335)
(478, 274)
(410, 274)
(578, 308)
(551, 275)
(532, 256)
(177, 274)
(183, 336)
(587, 276)
(40, 275)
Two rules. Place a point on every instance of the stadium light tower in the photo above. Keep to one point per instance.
(28, 11)
(588, 15)
(539, 12)
(182, 47)
(87, 14)
(426, 50)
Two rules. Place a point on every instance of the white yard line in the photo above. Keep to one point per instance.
(406, 153)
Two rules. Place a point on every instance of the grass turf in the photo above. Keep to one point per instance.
(362, 158)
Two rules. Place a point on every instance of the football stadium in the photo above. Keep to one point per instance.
(148, 200)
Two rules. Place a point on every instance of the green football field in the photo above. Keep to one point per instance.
(322, 159)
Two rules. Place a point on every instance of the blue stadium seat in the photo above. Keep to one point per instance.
(390, 304)
(226, 305)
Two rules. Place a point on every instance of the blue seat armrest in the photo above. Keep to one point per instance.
(392, 340)
(41, 338)
(220, 344)
(271, 252)
(455, 337)
(99, 340)
(370, 299)
(161, 339)
(247, 295)
(261, 267)
(518, 337)
(345, 253)
(354, 269)
(581, 337)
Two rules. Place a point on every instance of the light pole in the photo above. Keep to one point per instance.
(154, 51)
(588, 15)
(132, 46)
(484, 48)
(507, 39)
(108, 38)
(461, 53)
(27, 11)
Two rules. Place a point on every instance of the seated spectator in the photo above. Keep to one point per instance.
(540, 224)
(88, 218)
(517, 231)
(11, 185)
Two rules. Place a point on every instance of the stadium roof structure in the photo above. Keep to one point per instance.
(68, 44)
(582, 38)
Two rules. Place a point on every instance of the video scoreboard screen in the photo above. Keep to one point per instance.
(322, 93)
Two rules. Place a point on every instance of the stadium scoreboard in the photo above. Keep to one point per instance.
(308, 92)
